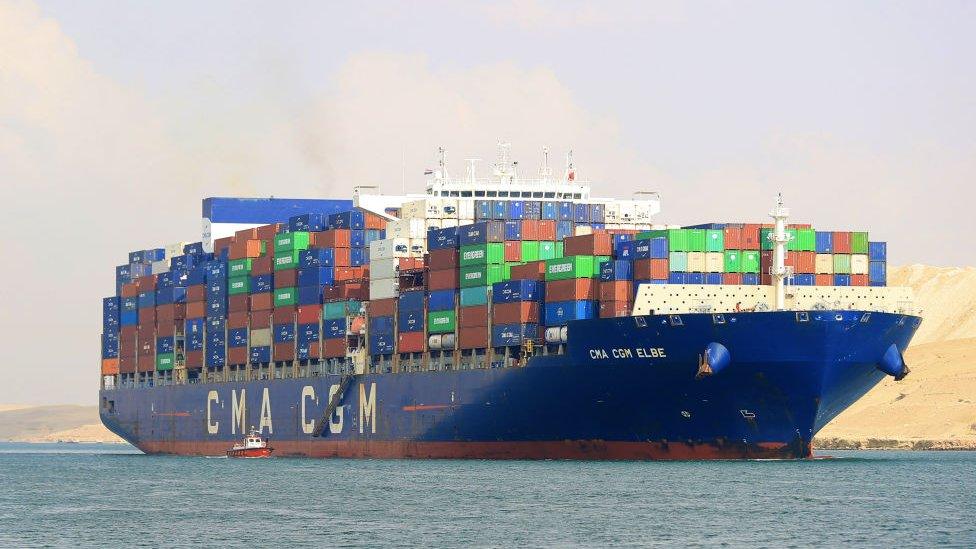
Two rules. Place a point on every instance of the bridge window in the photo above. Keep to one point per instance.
(479, 193)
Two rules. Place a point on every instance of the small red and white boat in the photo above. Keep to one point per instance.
(253, 446)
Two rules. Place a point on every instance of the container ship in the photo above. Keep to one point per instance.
(496, 317)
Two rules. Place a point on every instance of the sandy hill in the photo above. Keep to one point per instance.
(53, 423)
(935, 406)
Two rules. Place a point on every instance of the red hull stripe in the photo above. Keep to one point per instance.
(588, 449)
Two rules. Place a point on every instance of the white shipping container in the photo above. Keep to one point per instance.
(433, 224)
(824, 264)
(159, 267)
(174, 249)
(445, 223)
(260, 337)
(583, 230)
(714, 262)
(628, 211)
(383, 268)
(465, 209)
(406, 228)
(382, 288)
(389, 247)
(859, 264)
(449, 208)
(611, 213)
(415, 209)
(418, 247)
(696, 262)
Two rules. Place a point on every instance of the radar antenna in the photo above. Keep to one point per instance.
(780, 238)
(570, 166)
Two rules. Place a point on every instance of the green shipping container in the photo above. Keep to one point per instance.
(238, 267)
(340, 309)
(679, 240)
(285, 296)
(441, 322)
(733, 261)
(696, 240)
(477, 295)
(842, 263)
(239, 285)
(560, 249)
(165, 361)
(714, 240)
(566, 268)
(806, 240)
(656, 233)
(859, 243)
(481, 275)
(597, 260)
(530, 250)
(749, 261)
(678, 262)
(547, 250)
(492, 253)
(285, 261)
(287, 242)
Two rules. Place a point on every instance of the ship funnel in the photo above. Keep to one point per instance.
(893, 364)
(715, 359)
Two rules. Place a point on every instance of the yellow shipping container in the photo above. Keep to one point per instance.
(714, 262)
(824, 264)
(696, 262)
(859, 264)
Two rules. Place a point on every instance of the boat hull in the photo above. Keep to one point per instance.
(625, 388)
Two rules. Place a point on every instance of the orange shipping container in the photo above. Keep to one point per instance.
(651, 269)
(260, 319)
(445, 279)
(165, 328)
(613, 309)
(261, 302)
(473, 338)
(373, 221)
(470, 317)
(130, 289)
(237, 303)
(749, 237)
(222, 244)
(732, 278)
(146, 283)
(733, 238)
(333, 238)
(127, 364)
(513, 251)
(237, 320)
(530, 229)
(350, 273)
(382, 307)
(194, 359)
(598, 243)
(534, 270)
(244, 235)
(519, 312)
(574, 289)
(268, 232)
(546, 230)
(287, 278)
(308, 314)
(237, 356)
(283, 351)
(410, 342)
(616, 290)
(333, 348)
(262, 265)
(196, 309)
(824, 280)
(196, 293)
(284, 315)
(110, 366)
(859, 280)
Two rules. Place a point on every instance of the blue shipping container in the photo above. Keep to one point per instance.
(262, 283)
(616, 270)
(316, 276)
(381, 325)
(750, 279)
(175, 294)
(358, 257)
(110, 345)
(310, 222)
(561, 312)
(441, 300)
(597, 213)
(511, 291)
(508, 335)
(549, 210)
(842, 280)
(283, 333)
(625, 250)
(877, 251)
(513, 230)
(482, 209)
(565, 211)
(410, 320)
(481, 233)
(216, 331)
(515, 210)
(499, 209)
(310, 332)
(352, 219)
(877, 273)
(713, 278)
(237, 337)
(412, 301)
(677, 278)
(381, 344)
(581, 213)
(564, 230)
(316, 257)
(334, 328)
(309, 295)
(147, 299)
(824, 242)
(440, 239)
(260, 355)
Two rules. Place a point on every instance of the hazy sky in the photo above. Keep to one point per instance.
(117, 118)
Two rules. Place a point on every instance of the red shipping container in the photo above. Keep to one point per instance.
(443, 259)
(147, 315)
(262, 265)
(352, 289)
(196, 293)
(765, 279)
(314, 349)
(110, 366)
(261, 302)
(130, 289)
(842, 242)
(859, 280)
(237, 303)
(341, 257)
(598, 243)
(260, 319)
(287, 278)
(547, 230)
(127, 364)
(283, 351)
(534, 270)
(165, 328)
(222, 244)
(411, 342)
(651, 269)
(530, 229)
(571, 290)
(308, 314)
(473, 338)
(446, 279)
(194, 359)
(824, 280)
(238, 320)
(382, 307)
(373, 221)
(268, 232)
(332, 348)
(244, 247)
(128, 341)
(246, 234)
(733, 238)
(616, 290)
(519, 312)
(350, 273)
(749, 237)
(167, 313)
(513, 251)
(470, 317)
(146, 283)
(237, 356)
(732, 278)
(147, 342)
(613, 309)
(284, 315)
(333, 238)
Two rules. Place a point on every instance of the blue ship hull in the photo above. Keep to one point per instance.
(625, 388)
